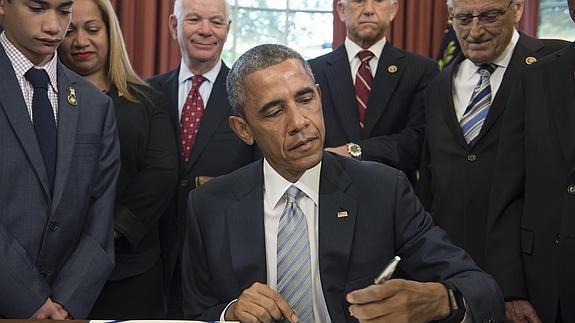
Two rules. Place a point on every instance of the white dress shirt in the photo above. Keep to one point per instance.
(353, 49)
(185, 84)
(275, 187)
(21, 65)
(466, 77)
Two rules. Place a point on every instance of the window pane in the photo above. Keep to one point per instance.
(275, 4)
(323, 5)
(310, 33)
(554, 20)
(254, 27)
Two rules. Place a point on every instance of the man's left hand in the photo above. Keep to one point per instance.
(62, 311)
(400, 300)
(340, 150)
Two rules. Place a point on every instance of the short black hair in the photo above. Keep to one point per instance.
(257, 59)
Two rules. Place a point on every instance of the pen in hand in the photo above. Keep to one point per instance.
(388, 271)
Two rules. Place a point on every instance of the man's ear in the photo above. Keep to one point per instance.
(241, 128)
(173, 24)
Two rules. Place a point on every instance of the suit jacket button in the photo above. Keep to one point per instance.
(557, 238)
(53, 226)
(45, 274)
(571, 189)
(184, 183)
(471, 158)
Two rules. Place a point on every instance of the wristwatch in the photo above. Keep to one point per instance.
(354, 150)
(456, 303)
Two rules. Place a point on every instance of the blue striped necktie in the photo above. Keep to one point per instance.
(478, 107)
(293, 256)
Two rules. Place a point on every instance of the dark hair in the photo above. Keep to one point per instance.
(257, 59)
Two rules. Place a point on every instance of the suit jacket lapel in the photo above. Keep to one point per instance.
(217, 111)
(16, 111)
(526, 46)
(67, 129)
(335, 233)
(170, 88)
(447, 106)
(340, 84)
(560, 91)
(245, 222)
(383, 87)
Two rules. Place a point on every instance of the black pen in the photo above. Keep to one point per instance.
(388, 271)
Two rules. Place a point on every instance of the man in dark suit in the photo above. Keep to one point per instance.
(201, 28)
(316, 261)
(457, 165)
(384, 124)
(531, 228)
(59, 161)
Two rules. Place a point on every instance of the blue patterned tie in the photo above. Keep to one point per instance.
(43, 118)
(478, 107)
(294, 269)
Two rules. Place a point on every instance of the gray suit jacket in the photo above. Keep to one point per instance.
(57, 246)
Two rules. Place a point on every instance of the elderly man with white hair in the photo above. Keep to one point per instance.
(464, 109)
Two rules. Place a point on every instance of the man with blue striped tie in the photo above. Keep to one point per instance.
(304, 233)
(463, 116)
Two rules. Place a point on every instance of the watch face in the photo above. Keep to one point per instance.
(354, 149)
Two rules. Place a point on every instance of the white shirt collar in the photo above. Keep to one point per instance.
(186, 73)
(353, 48)
(469, 68)
(275, 185)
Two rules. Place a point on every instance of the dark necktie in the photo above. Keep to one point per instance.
(363, 80)
(43, 118)
(476, 112)
(191, 117)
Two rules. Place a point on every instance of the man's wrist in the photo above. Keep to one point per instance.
(228, 312)
(456, 305)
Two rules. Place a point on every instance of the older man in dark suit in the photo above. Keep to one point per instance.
(198, 108)
(372, 92)
(59, 161)
(531, 223)
(464, 105)
(303, 233)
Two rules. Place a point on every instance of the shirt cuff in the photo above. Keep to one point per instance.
(223, 315)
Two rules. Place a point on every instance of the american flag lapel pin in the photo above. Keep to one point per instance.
(342, 214)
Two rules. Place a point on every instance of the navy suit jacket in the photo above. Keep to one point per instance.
(58, 246)
(531, 222)
(216, 151)
(394, 120)
(455, 178)
(224, 251)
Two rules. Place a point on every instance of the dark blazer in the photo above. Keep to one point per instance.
(531, 224)
(224, 251)
(393, 131)
(216, 151)
(57, 246)
(455, 179)
(147, 181)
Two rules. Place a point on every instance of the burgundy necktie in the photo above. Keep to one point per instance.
(363, 80)
(191, 118)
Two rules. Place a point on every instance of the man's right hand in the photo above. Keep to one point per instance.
(259, 303)
(48, 311)
(521, 311)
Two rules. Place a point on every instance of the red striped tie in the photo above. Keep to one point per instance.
(191, 117)
(363, 80)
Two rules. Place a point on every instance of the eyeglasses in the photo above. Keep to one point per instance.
(485, 17)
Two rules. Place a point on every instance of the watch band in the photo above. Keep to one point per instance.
(456, 303)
